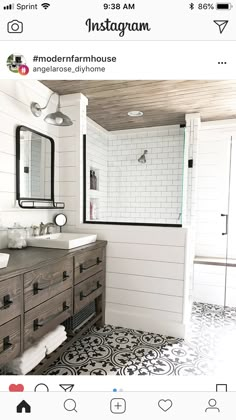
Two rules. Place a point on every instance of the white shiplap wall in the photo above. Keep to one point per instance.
(15, 99)
(147, 283)
(71, 158)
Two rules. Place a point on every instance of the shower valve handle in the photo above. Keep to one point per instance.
(226, 223)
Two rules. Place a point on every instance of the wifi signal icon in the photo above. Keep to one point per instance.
(45, 5)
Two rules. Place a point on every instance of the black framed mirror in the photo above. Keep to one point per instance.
(35, 168)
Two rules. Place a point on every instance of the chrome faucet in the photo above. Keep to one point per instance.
(44, 229)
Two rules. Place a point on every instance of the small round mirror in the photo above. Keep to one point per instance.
(60, 220)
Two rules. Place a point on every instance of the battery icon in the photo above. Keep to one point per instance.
(224, 6)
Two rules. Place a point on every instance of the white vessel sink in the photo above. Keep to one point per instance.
(61, 240)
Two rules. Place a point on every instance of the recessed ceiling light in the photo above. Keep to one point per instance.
(135, 113)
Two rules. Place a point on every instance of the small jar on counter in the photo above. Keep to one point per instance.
(17, 237)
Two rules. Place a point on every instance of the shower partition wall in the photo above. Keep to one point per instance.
(134, 176)
(230, 289)
(215, 260)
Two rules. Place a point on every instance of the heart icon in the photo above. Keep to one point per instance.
(165, 405)
(16, 388)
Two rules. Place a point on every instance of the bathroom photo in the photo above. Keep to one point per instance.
(117, 230)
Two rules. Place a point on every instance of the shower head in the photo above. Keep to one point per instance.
(142, 158)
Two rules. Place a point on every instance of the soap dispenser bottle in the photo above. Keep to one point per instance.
(91, 210)
(95, 181)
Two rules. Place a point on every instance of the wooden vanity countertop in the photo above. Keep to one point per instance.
(31, 258)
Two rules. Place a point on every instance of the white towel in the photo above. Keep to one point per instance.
(51, 338)
(35, 354)
(55, 345)
(28, 360)
(32, 353)
(30, 366)
(58, 331)
(54, 335)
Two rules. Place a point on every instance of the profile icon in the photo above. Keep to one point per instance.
(212, 406)
(16, 63)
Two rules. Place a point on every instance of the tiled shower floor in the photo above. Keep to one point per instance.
(209, 349)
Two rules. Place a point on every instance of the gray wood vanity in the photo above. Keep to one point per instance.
(42, 287)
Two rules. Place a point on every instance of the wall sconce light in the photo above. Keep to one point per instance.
(55, 118)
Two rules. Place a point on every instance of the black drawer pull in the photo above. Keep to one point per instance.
(82, 268)
(6, 344)
(82, 296)
(65, 306)
(37, 289)
(37, 325)
(7, 302)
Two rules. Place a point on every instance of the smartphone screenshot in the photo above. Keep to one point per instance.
(117, 209)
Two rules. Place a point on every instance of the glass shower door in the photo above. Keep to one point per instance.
(210, 269)
(230, 289)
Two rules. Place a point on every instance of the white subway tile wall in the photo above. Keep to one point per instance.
(148, 192)
(130, 191)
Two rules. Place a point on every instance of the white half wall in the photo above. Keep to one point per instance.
(146, 277)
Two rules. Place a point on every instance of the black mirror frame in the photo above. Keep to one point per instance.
(24, 202)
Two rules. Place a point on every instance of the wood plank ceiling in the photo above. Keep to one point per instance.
(163, 102)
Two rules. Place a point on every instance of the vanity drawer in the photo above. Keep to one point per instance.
(88, 290)
(10, 299)
(43, 319)
(10, 341)
(43, 284)
(89, 263)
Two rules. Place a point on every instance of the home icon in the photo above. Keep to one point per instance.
(23, 407)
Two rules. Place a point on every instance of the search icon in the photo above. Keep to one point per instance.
(70, 405)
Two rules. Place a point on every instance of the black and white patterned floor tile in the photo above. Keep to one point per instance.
(121, 351)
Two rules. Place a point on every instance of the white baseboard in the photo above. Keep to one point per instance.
(135, 320)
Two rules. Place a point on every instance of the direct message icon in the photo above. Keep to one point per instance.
(67, 387)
